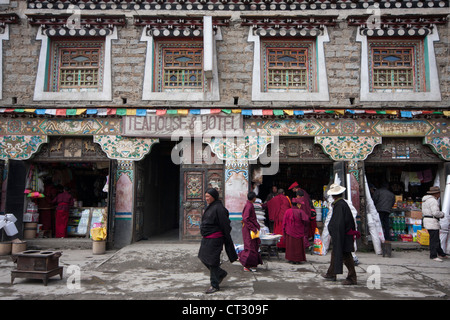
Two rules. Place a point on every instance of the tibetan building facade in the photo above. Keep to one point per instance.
(141, 105)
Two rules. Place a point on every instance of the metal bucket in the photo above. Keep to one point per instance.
(98, 247)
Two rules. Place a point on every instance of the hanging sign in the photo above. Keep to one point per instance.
(167, 125)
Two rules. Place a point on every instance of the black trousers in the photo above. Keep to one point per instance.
(216, 275)
(385, 223)
(348, 262)
(435, 244)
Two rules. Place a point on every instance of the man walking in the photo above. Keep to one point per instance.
(341, 228)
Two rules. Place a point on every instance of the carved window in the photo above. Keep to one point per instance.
(288, 66)
(396, 66)
(180, 67)
(76, 66)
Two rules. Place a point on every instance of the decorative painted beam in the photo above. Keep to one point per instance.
(346, 148)
(19, 147)
(440, 146)
(124, 148)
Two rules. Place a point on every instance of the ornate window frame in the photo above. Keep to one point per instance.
(62, 53)
(292, 29)
(40, 92)
(297, 60)
(79, 27)
(176, 62)
(3, 36)
(418, 26)
(211, 86)
(5, 20)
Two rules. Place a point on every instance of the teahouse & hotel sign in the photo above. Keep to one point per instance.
(165, 126)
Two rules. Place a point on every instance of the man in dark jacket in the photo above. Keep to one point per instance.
(384, 200)
(215, 230)
(340, 228)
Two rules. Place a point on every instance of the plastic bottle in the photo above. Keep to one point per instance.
(395, 226)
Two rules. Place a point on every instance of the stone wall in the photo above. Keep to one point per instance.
(235, 61)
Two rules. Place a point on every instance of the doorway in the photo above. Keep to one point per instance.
(158, 194)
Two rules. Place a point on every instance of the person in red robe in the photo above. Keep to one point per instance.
(63, 202)
(313, 224)
(250, 256)
(278, 205)
(46, 206)
(296, 229)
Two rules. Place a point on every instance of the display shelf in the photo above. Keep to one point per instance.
(81, 220)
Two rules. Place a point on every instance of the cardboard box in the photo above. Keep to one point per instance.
(416, 222)
(407, 237)
(423, 237)
(414, 214)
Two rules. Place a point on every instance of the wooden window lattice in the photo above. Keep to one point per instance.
(78, 68)
(76, 65)
(393, 68)
(287, 68)
(182, 68)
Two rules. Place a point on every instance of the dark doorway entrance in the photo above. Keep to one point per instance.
(161, 193)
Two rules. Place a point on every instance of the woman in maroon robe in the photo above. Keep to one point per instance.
(250, 256)
(63, 202)
(295, 229)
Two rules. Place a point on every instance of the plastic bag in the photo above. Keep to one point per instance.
(254, 235)
(318, 245)
(98, 234)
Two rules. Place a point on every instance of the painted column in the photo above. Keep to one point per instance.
(124, 203)
(126, 151)
(236, 189)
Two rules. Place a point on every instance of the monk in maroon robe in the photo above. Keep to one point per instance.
(63, 202)
(279, 205)
(46, 206)
(250, 257)
(296, 230)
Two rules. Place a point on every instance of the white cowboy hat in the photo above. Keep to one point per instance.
(335, 189)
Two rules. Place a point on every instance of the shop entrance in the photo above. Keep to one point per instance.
(310, 177)
(79, 166)
(410, 181)
(87, 186)
(409, 167)
(158, 194)
(300, 160)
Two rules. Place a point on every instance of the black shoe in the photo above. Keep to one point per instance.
(328, 277)
(211, 290)
(348, 282)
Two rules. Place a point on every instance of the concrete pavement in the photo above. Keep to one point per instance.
(149, 270)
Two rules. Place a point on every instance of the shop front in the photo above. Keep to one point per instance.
(301, 161)
(80, 166)
(146, 178)
(33, 188)
(408, 168)
(411, 154)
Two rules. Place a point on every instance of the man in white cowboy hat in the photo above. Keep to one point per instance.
(341, 228)
(431, 215)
